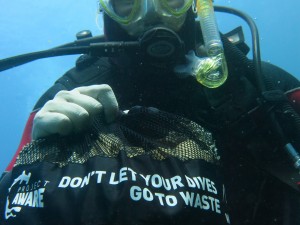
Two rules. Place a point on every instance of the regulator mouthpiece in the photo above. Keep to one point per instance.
(210, 71)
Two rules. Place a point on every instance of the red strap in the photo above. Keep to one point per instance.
(26, 138)
(294, 97)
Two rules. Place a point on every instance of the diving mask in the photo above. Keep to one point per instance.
(137, 16)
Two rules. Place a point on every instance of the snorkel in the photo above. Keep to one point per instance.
(210, 71)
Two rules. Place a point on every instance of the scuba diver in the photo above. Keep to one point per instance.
(184, 66)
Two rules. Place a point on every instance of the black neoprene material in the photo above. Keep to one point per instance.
(245, 139)
(147, 167)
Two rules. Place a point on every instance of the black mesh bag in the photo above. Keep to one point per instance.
(148, 167)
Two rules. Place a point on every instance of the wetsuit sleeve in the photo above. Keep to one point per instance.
(26, 138)
(279, 78)
(294, 97)
(282, 80)
(88, 71)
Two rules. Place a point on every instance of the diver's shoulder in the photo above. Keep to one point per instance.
(280, 78)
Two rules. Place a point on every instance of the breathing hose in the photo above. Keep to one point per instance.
(265, 87)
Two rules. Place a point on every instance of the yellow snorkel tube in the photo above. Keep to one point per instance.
(212, 71)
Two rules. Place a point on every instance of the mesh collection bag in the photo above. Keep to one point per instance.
(148, 167)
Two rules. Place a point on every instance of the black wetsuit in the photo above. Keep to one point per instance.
(245, 140)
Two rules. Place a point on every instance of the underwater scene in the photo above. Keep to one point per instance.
(166, 105)
(35, 26)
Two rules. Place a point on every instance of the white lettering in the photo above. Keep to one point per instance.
(75, 182)
(31, 199)
(148, 196)
(112, 179)
(86, 180)
(15, 201)
(46, 182)
(176, 181)
(65, 181)
(167, 184)
(212, 205)
(35, 202)
(156, 181)
(171, 200)
(146, 178)
(187, 197)
(100, 173)
(123, 174)
(214, 189)
(217, 206)
(41, 197)
(198, 202)
(135, 193)
(202, 181)
(133, 174)
(203, 202)
(208, 185)
(22, 198)
(190, 182)
(160, 198)
(196, 182)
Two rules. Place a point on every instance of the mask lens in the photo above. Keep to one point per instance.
(122, 11)
(176, 7)
(175, 4)
(123, 8)
(140, 12)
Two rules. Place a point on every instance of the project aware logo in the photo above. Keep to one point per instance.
(24, 193)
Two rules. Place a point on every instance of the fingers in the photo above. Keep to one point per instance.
(48, 123)
(70, 111)
(91, 105)
(59, 117)
(105, 95)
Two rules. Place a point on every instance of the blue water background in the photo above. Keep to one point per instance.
(27, 26)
